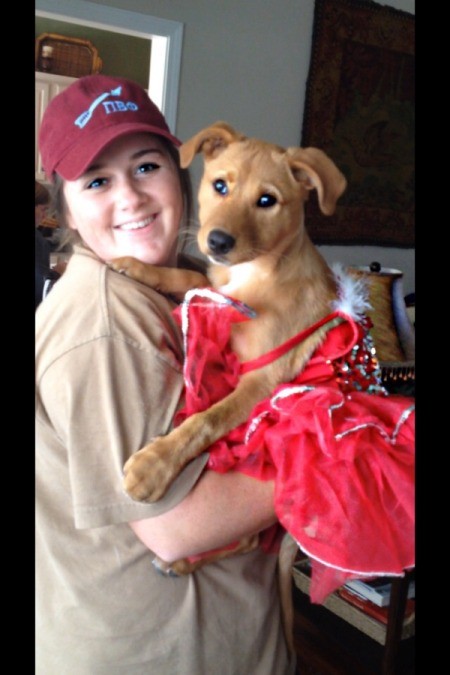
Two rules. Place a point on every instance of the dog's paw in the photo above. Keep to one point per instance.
(149, 472)
(127, 265)
(180, 568)
(164, 568)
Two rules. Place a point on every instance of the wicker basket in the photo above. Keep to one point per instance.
(69, 56)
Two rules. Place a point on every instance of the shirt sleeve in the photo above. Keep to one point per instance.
(108, 398)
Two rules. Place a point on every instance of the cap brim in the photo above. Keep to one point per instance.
(77, 160)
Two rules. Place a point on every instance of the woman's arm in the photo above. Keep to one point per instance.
(220, 509)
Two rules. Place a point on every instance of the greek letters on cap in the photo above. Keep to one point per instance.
(108, 106)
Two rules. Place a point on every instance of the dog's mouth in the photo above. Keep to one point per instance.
(232, 258)
(219, 260)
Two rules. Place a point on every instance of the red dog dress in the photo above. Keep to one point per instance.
(339, 448)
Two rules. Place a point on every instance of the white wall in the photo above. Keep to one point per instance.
(246, 62)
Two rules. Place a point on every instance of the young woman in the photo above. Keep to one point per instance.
(109, 378)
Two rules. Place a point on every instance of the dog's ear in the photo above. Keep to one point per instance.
(211, 141)
(316, 170)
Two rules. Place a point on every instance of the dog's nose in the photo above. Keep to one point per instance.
(220, 242)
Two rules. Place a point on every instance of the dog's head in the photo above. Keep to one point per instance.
(252, 192)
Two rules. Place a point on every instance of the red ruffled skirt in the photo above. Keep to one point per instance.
(340, 451)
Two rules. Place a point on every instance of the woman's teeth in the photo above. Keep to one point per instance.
(137, 225)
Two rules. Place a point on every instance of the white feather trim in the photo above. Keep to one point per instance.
(353, 293)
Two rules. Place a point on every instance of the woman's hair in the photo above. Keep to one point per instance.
(69, 237)
(41, 194)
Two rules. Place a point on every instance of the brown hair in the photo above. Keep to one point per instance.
(41, 194)
(70, 237)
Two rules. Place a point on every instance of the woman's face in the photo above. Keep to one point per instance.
(128, 202)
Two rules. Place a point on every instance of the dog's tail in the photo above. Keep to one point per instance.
(286, 558)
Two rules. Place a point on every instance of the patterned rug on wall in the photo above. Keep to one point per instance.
(359, 109)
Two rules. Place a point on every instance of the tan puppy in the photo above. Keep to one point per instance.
(251, 212)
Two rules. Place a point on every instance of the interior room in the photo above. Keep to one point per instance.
(252, 64)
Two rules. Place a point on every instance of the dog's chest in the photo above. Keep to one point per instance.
(241, 276)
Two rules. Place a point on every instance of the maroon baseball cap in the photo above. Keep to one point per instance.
(93, 111)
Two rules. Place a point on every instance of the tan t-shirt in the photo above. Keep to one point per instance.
(109, 378)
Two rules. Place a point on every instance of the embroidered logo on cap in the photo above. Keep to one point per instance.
(109, 106)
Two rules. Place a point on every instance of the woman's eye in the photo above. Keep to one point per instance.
(147, 167)
(265, 201)
(220, 186)
(97, 182)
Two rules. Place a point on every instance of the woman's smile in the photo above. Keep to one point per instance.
(136, 225)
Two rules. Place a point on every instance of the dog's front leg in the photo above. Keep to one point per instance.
(151, 470)
(168, 280)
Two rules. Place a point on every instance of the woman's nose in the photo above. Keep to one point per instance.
(130, 195)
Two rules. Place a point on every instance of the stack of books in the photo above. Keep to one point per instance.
(373, 597)
(364, 604)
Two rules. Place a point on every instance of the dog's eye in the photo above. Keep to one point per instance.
(265, 201)
(220, 186)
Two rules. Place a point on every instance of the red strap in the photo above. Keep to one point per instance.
(274, 354)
